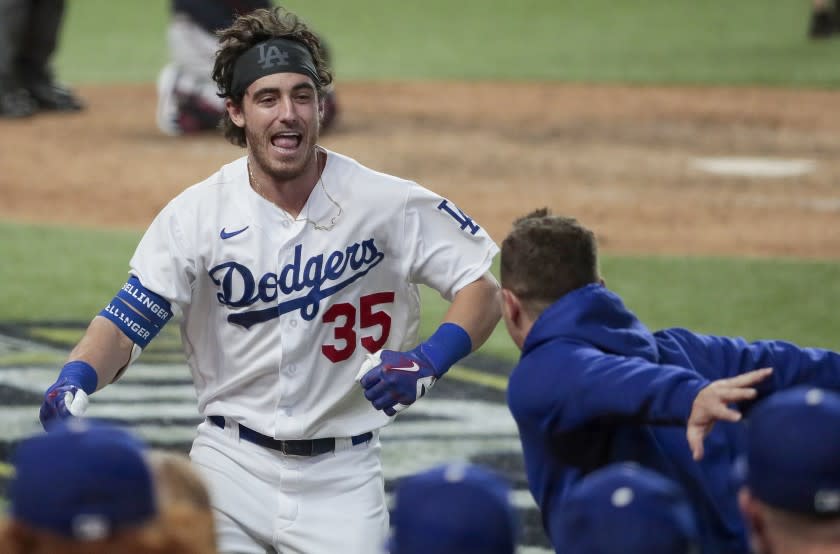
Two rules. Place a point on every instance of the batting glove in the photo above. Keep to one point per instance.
(68, 396)
(395, 380)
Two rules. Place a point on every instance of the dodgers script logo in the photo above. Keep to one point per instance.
(239, 288)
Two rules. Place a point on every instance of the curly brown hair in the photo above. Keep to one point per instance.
(248, 31)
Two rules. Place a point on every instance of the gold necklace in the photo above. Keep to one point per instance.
(258, 188)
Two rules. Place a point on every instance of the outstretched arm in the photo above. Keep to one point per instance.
(112, 341)
(724, 357)
(95, 361)
(105, 348)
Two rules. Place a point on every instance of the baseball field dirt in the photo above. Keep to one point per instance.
(622, 159)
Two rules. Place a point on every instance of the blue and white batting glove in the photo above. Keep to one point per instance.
(395, 380)
(68, 396)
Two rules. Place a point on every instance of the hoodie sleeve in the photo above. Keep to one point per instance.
(719, 357)
(592, 386)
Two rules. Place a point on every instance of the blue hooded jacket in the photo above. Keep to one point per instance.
(594, 387)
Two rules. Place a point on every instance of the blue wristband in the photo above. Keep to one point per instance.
(80, 373)
(446, 346)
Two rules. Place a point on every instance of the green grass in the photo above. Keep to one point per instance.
(645, 41)
(63, 274)
(54, 273)
(113, 41)
(754, 298)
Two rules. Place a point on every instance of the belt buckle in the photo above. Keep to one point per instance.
(283, 449)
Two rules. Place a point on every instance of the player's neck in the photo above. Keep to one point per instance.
(290, 195)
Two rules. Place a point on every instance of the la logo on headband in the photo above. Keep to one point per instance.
(271, 56)
(278, 55)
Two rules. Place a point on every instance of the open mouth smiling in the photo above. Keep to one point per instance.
(287, 140)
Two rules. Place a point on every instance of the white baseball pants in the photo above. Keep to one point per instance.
(267, 502)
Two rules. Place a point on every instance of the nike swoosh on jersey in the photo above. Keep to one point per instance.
(412, 367)
(225, 235)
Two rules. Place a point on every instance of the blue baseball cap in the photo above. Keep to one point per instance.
(625, 509)
(793, 451)
(453, 509)
(83, 480)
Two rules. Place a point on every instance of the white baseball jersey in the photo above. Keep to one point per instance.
(278, 313)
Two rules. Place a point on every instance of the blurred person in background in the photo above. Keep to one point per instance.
(29, 32)
(184, 501)
(92, 488)
(187, 95)
(455, 508)
(791, 500)
(625, 509)
(825, 20)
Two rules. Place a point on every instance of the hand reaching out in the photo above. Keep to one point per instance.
(711, 405)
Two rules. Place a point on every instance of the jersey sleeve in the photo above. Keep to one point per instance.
(582, 386)
(447, 249)
(630, 389)
(724, 357)
(162, 261)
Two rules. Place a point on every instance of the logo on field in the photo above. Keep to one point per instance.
(225, 235)
(316, 278)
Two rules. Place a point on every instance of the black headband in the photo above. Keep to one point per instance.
(278, 55)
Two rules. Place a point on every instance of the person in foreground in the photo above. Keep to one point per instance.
(625, 509)
(791, 499)
(92, 488)
(594, 386)
(454, 508)
(295, 271)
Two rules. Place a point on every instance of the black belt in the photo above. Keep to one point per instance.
(311, 447)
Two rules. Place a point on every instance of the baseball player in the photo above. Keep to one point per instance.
(294, 269)
(791, 498)
(594, 386)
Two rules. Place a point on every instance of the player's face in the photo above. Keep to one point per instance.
(280, 114)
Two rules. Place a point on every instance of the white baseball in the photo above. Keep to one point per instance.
(77, 404)
(370, 362)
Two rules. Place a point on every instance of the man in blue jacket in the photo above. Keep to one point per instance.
(594, 386)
